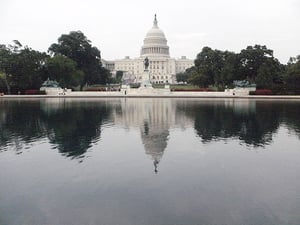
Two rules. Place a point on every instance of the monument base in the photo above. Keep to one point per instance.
(146, 80)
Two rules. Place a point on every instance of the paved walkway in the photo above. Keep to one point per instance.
(152, 95)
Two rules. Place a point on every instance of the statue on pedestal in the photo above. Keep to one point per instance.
(145, 82)
(146, 63)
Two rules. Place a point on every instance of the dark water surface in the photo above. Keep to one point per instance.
(149, 161)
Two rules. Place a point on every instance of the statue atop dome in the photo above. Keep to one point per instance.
(155, 21)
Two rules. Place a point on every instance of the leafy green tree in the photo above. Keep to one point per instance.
(28, 69)
(182, 77)
(77, 47)
(208, 64)
(22, 67)
(64, 71)
(215, 67)
(104, 76)
(119, 76)
(5, 66)
(292, 76)
(269, 74)
(231, 69)
(197, 78)
(252, 58)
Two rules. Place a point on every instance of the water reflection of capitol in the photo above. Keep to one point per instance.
(73, 125)
(154, 118)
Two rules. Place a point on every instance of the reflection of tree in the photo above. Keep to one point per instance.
(20, 123)
(74, 129)
(292, 116)
(71, 127)
(215, 120)
(257, 128)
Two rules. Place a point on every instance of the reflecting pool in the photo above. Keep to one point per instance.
(149, 161)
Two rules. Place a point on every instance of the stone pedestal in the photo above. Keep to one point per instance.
(146, 80)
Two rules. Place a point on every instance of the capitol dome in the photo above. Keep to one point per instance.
(155, 42)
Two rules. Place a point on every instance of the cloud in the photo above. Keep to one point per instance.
(188, 36)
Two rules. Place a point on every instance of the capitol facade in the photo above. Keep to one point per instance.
(162, 67)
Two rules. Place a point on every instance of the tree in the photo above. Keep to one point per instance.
(22, 67)
(231, 69)
(182, 77)
(118, 78)
(64, 71)
(269, 74)
(208, 64)
(28, 69)
(292, 76)
(258, 65)
(215, 67)
(221, 68)
(77, 47)
(252, 58)
(197, 78)
(5, 66)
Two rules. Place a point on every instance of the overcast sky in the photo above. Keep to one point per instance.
(117, 27)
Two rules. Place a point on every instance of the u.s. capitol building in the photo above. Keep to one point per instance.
(162, 67)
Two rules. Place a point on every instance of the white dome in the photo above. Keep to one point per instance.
(155, 42)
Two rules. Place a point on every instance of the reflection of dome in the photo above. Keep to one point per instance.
(155, 43)
(155, 141)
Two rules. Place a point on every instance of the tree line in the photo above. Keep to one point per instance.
(72, 62)
(255, 64)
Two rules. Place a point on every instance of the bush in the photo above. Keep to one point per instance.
(261, 92)
(95, 89)
(135, 85)
(34, 92)
(194, 90)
